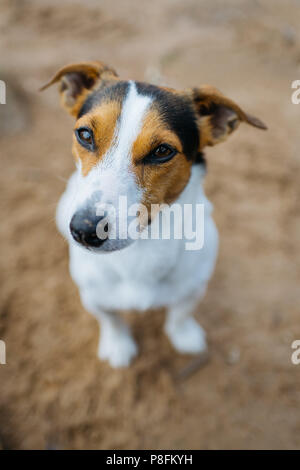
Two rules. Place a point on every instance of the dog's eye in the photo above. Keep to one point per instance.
(161, 154)
(85, 137)
(163, 151)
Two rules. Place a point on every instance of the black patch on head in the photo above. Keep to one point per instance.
(106, 92)
(178, 113)
(200, 159)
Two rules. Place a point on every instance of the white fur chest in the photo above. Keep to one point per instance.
(148, 273)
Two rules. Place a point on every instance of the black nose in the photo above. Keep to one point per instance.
(83, 228)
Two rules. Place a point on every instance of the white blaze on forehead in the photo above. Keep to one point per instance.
(112, 176)
(130, 124)
(115, 172)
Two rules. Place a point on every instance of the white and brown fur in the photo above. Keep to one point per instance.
(127, 121)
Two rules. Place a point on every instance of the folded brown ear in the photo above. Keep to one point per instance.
(77, 80)
(219, 116)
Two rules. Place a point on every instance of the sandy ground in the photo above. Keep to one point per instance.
(54, 393)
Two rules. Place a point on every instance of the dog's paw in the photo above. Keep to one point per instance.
(187, 336)
(118, 348)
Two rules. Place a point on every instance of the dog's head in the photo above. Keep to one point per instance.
(136, 140)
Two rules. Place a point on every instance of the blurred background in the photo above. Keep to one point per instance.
(54, 393)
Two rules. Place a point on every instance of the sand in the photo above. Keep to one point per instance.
(54, 392)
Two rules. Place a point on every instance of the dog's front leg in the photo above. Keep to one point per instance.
(182, 329)
(116, 344)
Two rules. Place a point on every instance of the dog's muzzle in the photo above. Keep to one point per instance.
(83, 227)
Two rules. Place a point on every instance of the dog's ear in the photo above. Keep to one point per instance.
(77, 81)
(218, 116)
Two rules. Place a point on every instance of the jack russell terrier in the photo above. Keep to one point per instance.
(144, 142)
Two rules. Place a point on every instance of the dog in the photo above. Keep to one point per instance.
(144, 142)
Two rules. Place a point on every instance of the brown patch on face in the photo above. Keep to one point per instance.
(102, 120)
(161, 182)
